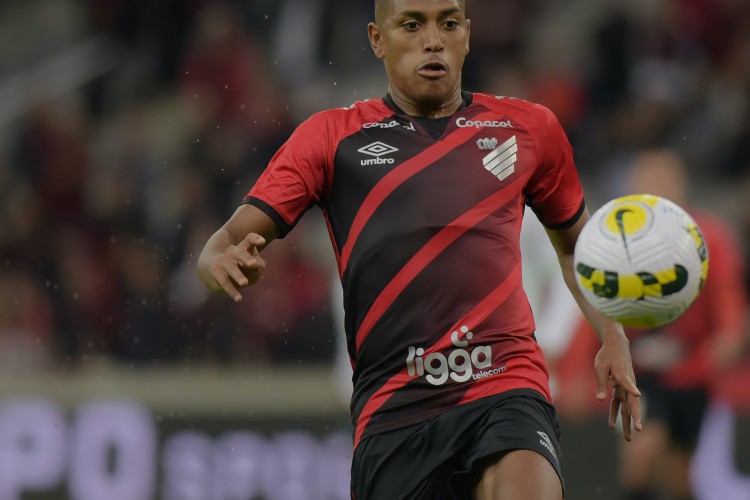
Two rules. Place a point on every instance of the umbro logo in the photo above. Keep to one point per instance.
(547, 443)
(377, 149)
(501, 162)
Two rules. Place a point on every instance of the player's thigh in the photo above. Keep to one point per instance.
(519, 475)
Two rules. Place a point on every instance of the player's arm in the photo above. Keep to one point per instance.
(613, 362)
(231, 257)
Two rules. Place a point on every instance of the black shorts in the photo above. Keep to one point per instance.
(437, 459)
(681, 410)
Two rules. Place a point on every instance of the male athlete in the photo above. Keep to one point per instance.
(423, 192)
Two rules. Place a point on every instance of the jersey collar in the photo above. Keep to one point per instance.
(466, 100)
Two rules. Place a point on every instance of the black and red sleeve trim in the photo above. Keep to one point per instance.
(267, 209)
(570, 222)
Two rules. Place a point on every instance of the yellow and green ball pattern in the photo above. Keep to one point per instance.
(641, 260)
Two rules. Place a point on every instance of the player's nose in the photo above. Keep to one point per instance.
(433, 41)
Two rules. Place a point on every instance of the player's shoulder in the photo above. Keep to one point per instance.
(527, 112)
(510, 104)
(357, 112)
(333, 124)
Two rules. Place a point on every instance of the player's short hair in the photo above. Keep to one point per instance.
(378, 2)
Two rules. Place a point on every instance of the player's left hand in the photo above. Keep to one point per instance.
(613, 365)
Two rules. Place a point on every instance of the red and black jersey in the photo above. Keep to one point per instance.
(426, 234)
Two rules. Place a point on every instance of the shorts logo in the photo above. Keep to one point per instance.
(377, 149)
(547, 443)
(459, 365)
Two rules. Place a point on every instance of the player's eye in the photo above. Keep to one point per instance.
(410, 26)
(451, 25)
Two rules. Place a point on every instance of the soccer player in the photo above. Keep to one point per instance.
(678, 363)
(423, 192)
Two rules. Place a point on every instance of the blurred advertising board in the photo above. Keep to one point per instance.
(251, 435)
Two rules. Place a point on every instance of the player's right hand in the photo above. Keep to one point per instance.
(614, 364)
(239, 266)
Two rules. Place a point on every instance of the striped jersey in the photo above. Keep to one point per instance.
(425, 227)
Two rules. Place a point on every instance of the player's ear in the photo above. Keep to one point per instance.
(376, 40)
(468, 34)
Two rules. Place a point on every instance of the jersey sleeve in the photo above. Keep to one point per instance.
(297, 177)
(554, 191)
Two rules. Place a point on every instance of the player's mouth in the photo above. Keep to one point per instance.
(433, 69)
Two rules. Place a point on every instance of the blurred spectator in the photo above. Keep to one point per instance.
(26, 322)
(85, 295)
(678, 364)
(500, 32)
(146, 332)
(52, 155)
(744, 194)
(233, 107)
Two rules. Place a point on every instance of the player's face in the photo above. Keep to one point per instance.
(423, 44)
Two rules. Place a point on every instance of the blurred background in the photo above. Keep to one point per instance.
(131, 129)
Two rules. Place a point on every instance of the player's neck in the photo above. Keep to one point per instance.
(427, 109)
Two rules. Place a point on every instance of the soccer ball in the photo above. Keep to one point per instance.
(641, 260)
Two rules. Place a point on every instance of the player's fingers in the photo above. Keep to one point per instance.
(243, 257)
(259, 262)
(635, 408)
(602, 376)
(626, 417)
(236, 275)
(252, 270)
(628, 385)
(228, 287)
(248, 258)
(253, 240)
(614, 408)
